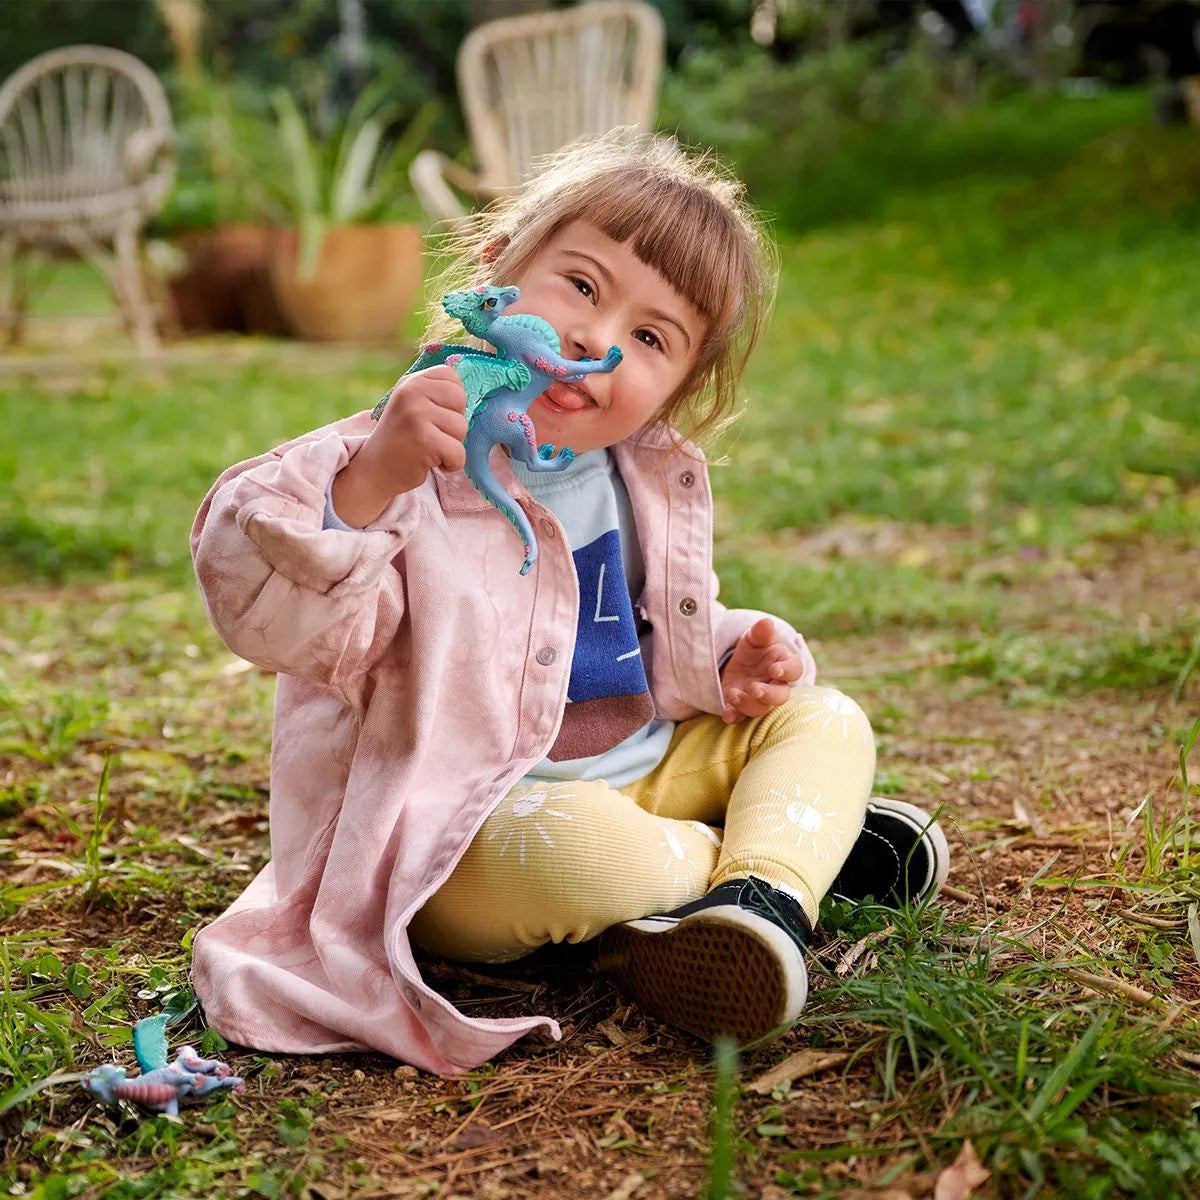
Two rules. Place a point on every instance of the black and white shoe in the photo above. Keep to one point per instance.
(730, 963)
(901, 857)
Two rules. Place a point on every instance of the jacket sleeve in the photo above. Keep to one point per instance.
(285, 593)
(730, 623)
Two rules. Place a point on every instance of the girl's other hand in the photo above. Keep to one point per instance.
(759, 675)
(422, 426)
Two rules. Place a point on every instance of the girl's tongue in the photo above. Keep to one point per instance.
(567, 396)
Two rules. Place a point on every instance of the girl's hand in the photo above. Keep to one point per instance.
(759, 675)
(422, 426)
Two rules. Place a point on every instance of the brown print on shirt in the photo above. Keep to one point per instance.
(590, 727)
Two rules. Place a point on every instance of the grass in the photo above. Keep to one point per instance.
(969, 472)
(1088, 1096)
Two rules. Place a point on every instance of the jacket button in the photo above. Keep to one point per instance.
(687, 479)
(688, 606)
(548, 527)
(547, 656)
(410, 994)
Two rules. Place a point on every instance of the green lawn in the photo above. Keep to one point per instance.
(969, 470)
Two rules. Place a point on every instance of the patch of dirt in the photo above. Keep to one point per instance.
(1114, 578)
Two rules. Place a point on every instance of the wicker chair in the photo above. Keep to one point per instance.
(85, 161)
(533, 83)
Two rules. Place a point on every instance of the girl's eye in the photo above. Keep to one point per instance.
(583, 287)
(650, 338)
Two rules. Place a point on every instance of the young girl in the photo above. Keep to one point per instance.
(473, 763)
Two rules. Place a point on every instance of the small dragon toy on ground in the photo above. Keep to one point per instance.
(500, 388)
(162, 1084)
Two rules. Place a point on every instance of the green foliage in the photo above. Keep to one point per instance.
(835, 136)
(291, 162)
(106, 479)
(1030, 667)
(1082, 1096)
(48, 728)
(350, 176)
(222, 128)
(93, 838)
(131, 25)
(1028, 1081)
(723, 1123)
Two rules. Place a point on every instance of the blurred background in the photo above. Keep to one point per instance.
(986, 213)
(302, 115)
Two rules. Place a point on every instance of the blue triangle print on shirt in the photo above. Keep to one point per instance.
(607, 660)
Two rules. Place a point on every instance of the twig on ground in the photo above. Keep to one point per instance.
(950, 892)
(1153, 922)
(1169, 1019)
(1118, 987)
(847, 961)
(629, 1185)
(797, 1066)
(494, 981)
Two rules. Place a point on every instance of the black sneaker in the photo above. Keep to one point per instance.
(901, 857)
(730, 963)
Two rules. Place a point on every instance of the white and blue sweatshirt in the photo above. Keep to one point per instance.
(608, 730)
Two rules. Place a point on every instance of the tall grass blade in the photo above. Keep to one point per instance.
(1185, 673)
(1061, 1076)
(723, 1135)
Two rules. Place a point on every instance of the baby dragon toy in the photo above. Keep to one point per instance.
(161, 1085)
(500, 388)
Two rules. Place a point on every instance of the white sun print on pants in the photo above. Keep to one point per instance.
(563, 861)
(531, 816)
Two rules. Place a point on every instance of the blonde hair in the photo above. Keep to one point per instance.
(685, 217)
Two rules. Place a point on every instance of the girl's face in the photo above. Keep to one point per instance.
(597, 293)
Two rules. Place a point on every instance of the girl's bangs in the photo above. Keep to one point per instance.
(681, 233)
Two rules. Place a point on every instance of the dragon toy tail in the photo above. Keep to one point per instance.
(491, 489)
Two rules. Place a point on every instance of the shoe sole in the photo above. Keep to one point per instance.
(928, 829)
(721, 972)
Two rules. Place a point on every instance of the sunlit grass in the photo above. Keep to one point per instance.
(1055, 1073)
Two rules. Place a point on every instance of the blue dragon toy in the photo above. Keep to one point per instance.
(500, 388)
(162, 1084)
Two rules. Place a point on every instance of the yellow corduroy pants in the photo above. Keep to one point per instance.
(781, 797)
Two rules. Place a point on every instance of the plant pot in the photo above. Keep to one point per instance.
(365, 283)
(226, 283)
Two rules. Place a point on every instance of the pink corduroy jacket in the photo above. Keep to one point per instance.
(420, 676)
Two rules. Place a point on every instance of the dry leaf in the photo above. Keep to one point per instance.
(630, 1185)
(477, 1134)
(962, 1177)
(609, 1028)
(1023, 818)
(797, 1066)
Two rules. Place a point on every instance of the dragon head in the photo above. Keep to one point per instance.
(103, 1081)
(478, 307)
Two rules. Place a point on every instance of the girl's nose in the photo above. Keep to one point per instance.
(587, 341)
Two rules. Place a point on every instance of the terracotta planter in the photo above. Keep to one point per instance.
(226, 284)
(365, 284)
